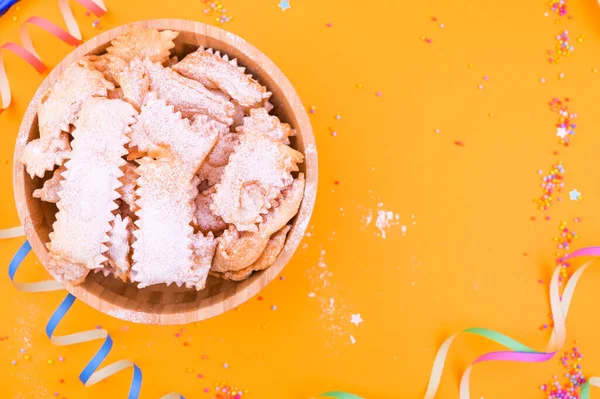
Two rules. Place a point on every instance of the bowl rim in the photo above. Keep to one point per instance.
(301, 220)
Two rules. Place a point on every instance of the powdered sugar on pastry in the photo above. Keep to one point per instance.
(143, 43)
(89, 191)
(205, 219)
(186, 95)
(163, 251)
(57, 110)
(132, 78)
(204, 250)
(257, 171)
(161, 132)
(212, 168)
(129, 181)
(285, 208)
(237, 251)
(214, 71)
(41, 155)
(266, 259)
(260, 121)
(49, 191)
(118, 247)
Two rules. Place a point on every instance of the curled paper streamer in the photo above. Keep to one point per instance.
(12, 232)
(90, 374)
(27, 51)
(519, 352)
(5, 5)
(340, 395)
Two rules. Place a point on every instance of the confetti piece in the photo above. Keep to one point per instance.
(356, 319)
(565, 124)
(562, 49)
(352, 340)
(551, 183)
(216, 8)
(559, 7)
(459, 143)
(572, 379)
(574, 195)
(284, 5)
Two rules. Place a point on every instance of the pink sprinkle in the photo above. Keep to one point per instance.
(459, 143)
(329, 24)
(541, 281)
(206, 390)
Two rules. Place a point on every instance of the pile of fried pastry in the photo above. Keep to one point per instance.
(163, 171)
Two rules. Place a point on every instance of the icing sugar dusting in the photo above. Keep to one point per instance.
(334, 311)
(385, 220)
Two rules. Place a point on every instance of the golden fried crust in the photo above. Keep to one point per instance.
(258, 170)
(132, 79)
(216, 71)
(266, 259)
(143, 43)
(162, 132)
(260, 121)
(239, 250)
(186, 95)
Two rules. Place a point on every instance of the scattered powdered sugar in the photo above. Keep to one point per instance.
(385, 219)
(334, 314)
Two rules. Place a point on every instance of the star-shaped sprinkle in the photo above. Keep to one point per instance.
(561, 132)
(356, 319)
(284, 5)
(574, 195)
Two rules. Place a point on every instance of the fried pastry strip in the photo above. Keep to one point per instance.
(89, 188)
(260, 121)
(143, 43)
(162, 132)
(57, 110)
(51, 187)
(186, 95)
(258, 170)
(166, 249)
(239, 250)
(218, 72)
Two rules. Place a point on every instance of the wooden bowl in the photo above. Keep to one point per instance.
(161, 304)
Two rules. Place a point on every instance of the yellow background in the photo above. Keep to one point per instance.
(460, 265)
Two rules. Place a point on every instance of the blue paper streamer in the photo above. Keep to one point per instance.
(18, 259)
(92, 366)
(59, 314)
(5, 5)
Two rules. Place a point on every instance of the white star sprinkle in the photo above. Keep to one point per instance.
(356, 319)
(561, 132)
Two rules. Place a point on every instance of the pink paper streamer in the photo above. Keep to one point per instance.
(26, 50)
